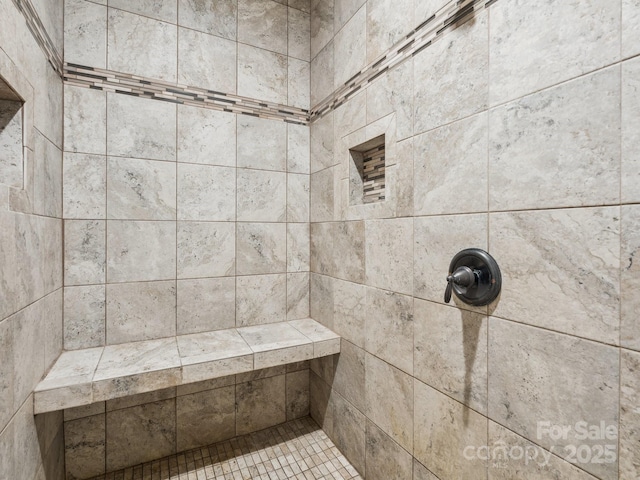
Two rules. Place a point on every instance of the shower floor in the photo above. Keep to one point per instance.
(297, 450)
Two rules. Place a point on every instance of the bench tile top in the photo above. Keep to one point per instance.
(82, 377)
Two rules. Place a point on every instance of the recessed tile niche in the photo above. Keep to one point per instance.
(11, 124)
(367, 172)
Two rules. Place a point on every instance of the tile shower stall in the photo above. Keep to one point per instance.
(176, 170)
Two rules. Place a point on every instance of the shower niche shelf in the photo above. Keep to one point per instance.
(82, 377)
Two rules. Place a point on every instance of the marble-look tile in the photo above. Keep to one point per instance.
(299, 26)
(261, 248)
(349, 431)
(261, 299)
(322, 143)
(349, 311)
(540, 376)
(450, 352)
(206, 61)
(47, 179)
(297, 395)
(203, 386)
(260, 374)
(260, 403)
(11, 128)
(304, 5)
(298, 198)
(347, 119)
(389, 400)
(350, 46)
(535, 464)
(321, 405)
(337, 249)
(630, 170)
(277, 345)
(216, 17)
(208, 347)
(389, 254)
(141, 189)
(445, 159)
(130, 42)
(206, 249)
(140, 311)
(629, 415)
(6, 452)
(322, 75)
(561, 48)
(630, 27)
(322, 14)
(298, 247)
(140, 251)
(387, 23)
(384, 457)
(206, 304)
(321, 299)
(166, 11)
(84, 317)
(206, 193)
(6, 372)
(630, 277)
(84, 252)
(451, 79)
(299, 83)
(206, 136)
(52, 313)
(324, 339)
(389, 328)
(436, 240)
(130, 133)
(393, 93)
(85, 120)
(206, 417)
(84, 445)
(262, 196)
(28, 351)
(536, 138)
(348, 379)
(26, 446)
(263, 24)
(262, 143)
(344, 10)
(140, 434)
(297, 295)
(140, 399)
(262, 74)
(442, 430)
(85, 33)
(420, 472)
(572, 258)
(322, 195)
(84, 411)
(84, 186)
(298, 148)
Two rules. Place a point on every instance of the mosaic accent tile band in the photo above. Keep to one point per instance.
(124, 83)
(297, 450)
(373, 175)
(40, 34)
(448, 18)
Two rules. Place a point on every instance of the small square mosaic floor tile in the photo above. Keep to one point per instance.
(297, 450)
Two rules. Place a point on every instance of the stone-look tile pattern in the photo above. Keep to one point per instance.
(629, 415)
(295, 450)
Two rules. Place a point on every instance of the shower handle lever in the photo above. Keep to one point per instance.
(463, 277)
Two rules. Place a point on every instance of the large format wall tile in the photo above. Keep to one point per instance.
(85, 446)
(629, 415)
(349, 432)
(349, 311)
(131, 43)
(261, 299)
(630, 277)
(393, 93)
(206, 249)
(568, 262)
(389, 254)
(84, 252)
(130, 134)
(451, 352)
(206, 304)
(385, 459)
(630, 136)
(262, 143)
(565, 141)
(337, 249)
(299, 24)
(387, 23)
(298, 83)
(322, 73)
(298, 148)
(84, 186)
(262, 196)
(443, 428)
(322, 14)
(260, 403)
(262, 74)
(350, 47)
(206, 136)
(216, 17)
(533, 48)
(344, 11)
(322, 195)
(297, 295)
(445, 160)
(84, 316)
(165, 11)
(261, 248)
(263, 24)
(85, 33)
(451, 79)
(206, 61)
(85, 120)
(630, 27)
(298, 247)
(206, 193)
(538, 376)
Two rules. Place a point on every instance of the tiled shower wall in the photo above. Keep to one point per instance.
(181, 219)
(516, 133)
(30, 241)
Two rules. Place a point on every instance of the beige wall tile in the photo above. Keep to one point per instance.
(261, 299)
(261, 73)
(298, 248)
(384, 457)
(206, 304)
(297, 296)
(389, 254)
(85, 120)
(206, 136)
(206, 193)
(348, 375)
(85, 33)
(345, 257)
(299, 36)
(298, 149)
(216, 17)
(350, 46)
(206, 249)
(349, 432)
(297, 395)
(263, 24)
(387, 23)
(630, 278)
(261, 403)
(630, 137)
(629, 415)
(262, 196)
(84, 316)
(261, 248)
(262, 143)
(85, 242)
(322, 14)
(85, 186)
(85, 447)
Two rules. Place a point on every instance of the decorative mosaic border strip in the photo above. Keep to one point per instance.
(127, 84)
(448, 18)
(373, 171)
(36, 27)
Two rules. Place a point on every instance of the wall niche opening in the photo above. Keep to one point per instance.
(367, 172)
(11, 136)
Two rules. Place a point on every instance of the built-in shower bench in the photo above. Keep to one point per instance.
(82, 377)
